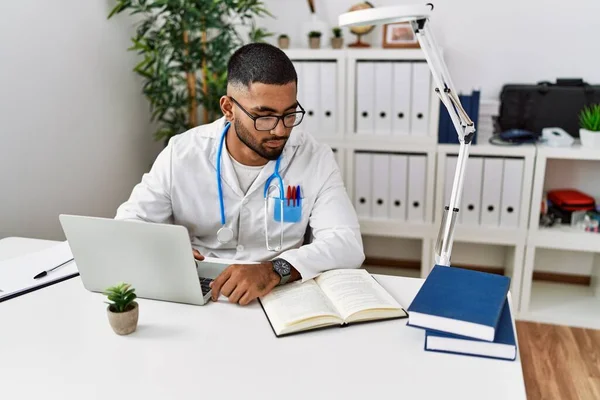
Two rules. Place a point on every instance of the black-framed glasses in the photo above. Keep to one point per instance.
(269, 122)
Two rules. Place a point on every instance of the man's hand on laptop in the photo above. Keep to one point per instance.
(242, 283)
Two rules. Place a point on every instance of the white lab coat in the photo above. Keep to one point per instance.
(181, 188)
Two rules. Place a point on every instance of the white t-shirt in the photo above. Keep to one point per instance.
(246, 174)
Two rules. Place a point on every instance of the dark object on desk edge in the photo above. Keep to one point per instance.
(536, 106)
(515, 137)
(33, 289)
(44, 273)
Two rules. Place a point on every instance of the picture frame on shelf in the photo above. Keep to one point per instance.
(399, 36)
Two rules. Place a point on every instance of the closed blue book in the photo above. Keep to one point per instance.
(460, 301)
(503, 347)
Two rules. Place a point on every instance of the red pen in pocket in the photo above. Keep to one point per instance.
(289, 195)
(294, 195)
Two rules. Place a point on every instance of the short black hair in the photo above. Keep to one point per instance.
(262, 63)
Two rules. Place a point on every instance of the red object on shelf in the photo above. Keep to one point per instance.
(571, 200)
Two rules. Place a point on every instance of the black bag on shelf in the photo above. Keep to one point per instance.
(546, 104)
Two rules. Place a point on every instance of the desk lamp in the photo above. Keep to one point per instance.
(418, 17)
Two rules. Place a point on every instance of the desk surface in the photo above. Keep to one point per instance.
(56, 343)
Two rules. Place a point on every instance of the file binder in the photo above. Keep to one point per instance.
(398, 186)
(421, 78)
(471, 199)
(365, 97)
(401, 108)
(380, 177)
(312, 93)
(362, 184)
(417, 166)
(328, 98)
(511, 192)
(491, 191)
(383, 98)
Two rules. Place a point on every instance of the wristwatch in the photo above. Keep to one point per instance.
(283, 269)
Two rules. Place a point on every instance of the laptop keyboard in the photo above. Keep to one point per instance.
(204, 284)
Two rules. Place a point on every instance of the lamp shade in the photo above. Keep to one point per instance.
(385, 15)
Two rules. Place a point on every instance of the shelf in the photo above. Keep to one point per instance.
(564, 304)
(491, 150)
(490, 235)
(389, 143)
(403, 229)
(564, 237)
(315, 54)
(575, 152)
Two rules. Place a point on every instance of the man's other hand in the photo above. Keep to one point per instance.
(197, 255)
(242, 283)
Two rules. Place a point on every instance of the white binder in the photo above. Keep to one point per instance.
(491, 191)
(398, 186)
(365, 97)
(471, 198)
(380, 179)
(362, 184)
(402, 88)
(511, 192)
(300, 95)
(312, 94)
(383, 97)
(421, 89)
(417, 166)
(328, 101)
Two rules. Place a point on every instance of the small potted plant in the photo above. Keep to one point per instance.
(314, 39)
(122, 311)
(284, 41)
(337, 41)
(589, 123)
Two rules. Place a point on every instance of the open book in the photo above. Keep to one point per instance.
(334, 298)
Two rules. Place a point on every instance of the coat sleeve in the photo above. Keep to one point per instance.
(337, 242)
(150, 200)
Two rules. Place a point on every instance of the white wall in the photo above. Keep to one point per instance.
(75, 136)
(486, 43)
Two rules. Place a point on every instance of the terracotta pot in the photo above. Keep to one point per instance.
(284, 43)
(314, 42)
(126, 322)
(337, 42)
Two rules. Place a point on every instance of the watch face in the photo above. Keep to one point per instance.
(281, 267)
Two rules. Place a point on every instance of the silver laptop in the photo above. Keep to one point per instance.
(156, 259)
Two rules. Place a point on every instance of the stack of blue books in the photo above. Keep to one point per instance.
(465, 312)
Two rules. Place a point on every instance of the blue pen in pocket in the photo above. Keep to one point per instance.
(292, 206)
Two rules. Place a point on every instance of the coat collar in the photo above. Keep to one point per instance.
(214, 131)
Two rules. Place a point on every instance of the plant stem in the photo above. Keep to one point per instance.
(191, 85)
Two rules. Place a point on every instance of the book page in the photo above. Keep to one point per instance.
(295, 303)
(353, 291)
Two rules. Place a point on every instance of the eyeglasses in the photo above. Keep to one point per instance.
(269, 122)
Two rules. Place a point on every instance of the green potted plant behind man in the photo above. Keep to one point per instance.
(123, 310)
(337, 41)
(314, 39)
(589, 123)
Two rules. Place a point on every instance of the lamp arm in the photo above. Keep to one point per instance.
(465, 129)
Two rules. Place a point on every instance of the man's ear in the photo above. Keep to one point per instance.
(227, 107)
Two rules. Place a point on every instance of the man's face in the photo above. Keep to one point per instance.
(264, 100)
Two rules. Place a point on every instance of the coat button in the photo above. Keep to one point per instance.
(240, 247)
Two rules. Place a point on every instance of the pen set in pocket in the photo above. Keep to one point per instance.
(292, 206)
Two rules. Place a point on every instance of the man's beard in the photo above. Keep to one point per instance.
(246, 137)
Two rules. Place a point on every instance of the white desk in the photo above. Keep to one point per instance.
(56, 343)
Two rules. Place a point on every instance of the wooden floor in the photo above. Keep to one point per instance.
(559, 362)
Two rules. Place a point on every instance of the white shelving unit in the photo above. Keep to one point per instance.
(514, 244)
(347, 140)
(574, 305)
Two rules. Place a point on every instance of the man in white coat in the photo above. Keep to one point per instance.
(212, 179)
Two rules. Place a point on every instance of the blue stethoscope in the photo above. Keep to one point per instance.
(225, 233)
